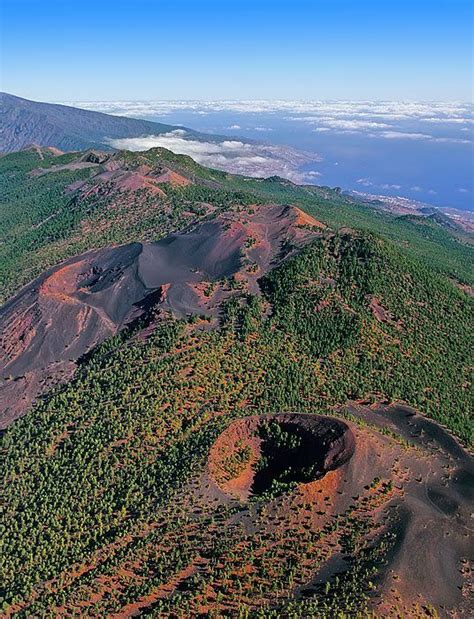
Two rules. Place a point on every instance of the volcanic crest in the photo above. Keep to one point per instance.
(72, 307)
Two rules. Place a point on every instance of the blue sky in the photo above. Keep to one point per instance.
(228, 49)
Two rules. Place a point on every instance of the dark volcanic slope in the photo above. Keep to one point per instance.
(72, 307)
(430, 520)
(24, 122)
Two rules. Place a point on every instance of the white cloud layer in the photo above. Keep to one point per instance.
(397, 135)
(389, 120)
(404, 135)
(258, 160)
(344, 109)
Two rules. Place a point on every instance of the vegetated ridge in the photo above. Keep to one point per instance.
(252, 436)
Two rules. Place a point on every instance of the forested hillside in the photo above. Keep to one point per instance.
(109, 503)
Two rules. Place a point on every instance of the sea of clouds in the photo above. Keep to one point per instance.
(383, 117)
(408, 121)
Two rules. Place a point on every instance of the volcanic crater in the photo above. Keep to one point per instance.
(293, 476)
(263, 455)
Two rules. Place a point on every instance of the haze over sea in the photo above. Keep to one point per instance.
(419, 150)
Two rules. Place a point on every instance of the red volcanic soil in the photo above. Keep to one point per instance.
(132, 181)
(380, 313)
(431, 520)
(117, 179)
(303, 219)
(469, 290)
(115, 176)
(381, 478)
(69, 309)
(173, 178)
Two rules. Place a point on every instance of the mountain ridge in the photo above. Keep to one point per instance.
(68, 128)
